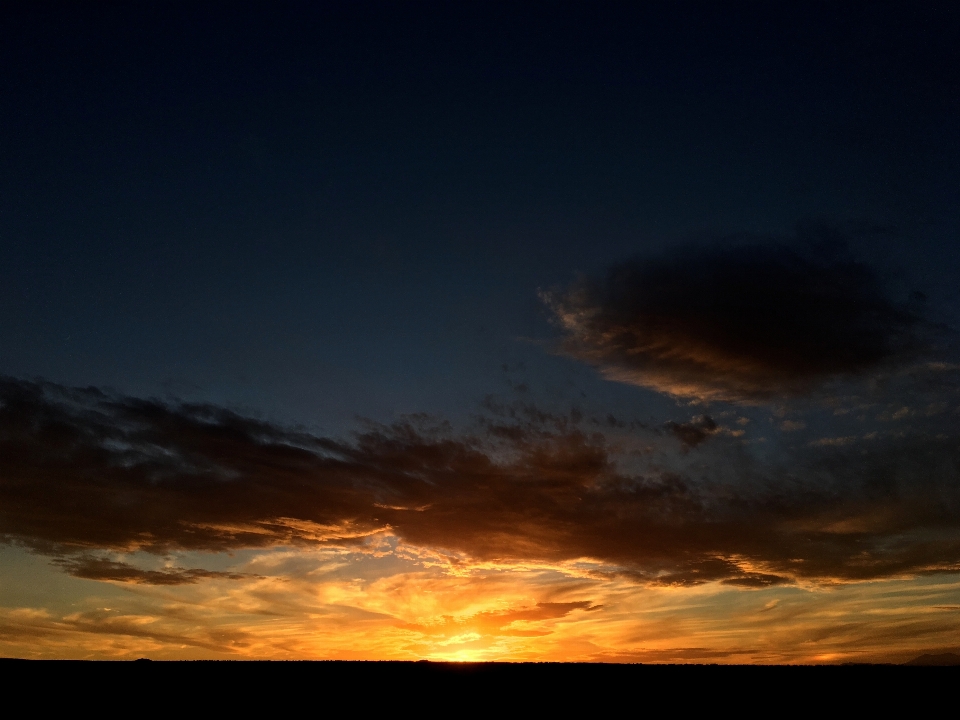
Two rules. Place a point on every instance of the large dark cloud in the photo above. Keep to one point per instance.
(83, 473)
(736, 320)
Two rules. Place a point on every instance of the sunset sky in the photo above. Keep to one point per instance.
(480, 331)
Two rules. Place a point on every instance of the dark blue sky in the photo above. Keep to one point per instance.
(335, 209)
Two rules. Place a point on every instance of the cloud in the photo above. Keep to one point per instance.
(694, 432)
(502, 623)
(741, 320)
(82, 470)
(94, 568)
(677, 655)
(84, 474)
(32, 627)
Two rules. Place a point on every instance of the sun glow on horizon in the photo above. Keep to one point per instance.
(379, 605)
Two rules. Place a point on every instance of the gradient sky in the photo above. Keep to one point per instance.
(480, 331)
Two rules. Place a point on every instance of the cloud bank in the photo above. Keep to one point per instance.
(735, 321)
(83, 473)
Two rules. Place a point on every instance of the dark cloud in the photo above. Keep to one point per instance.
(694, 432)
(94, 568)
(84, 474)
(736, 320)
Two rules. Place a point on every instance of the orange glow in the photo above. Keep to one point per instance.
(393, 601)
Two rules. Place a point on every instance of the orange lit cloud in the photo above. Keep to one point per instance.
(340, 609)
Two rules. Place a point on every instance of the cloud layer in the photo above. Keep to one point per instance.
(83, 473)
(734, 321)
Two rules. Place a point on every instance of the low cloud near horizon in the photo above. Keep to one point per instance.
(87, 475)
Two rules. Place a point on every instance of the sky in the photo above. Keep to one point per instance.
(480, 331)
